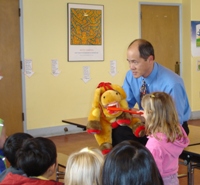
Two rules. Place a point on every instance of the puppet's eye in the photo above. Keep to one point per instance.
(104, 97)
(117, 93)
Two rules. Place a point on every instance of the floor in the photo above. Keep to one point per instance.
(73, 142)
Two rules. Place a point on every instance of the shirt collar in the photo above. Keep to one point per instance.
(153, 74)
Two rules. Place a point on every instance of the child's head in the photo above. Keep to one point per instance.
(12, 144)
(37, 157)
(161, 115)
(130, 163)
(2, 133)
(84, 167)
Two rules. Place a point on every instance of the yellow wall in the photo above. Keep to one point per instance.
(195, 80)
(186, 39)
(50, 99)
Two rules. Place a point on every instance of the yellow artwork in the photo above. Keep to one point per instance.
(85, 27)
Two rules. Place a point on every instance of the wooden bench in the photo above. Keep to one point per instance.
(60, 170)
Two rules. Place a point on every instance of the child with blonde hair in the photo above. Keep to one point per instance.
(84, 167)
(166, 137)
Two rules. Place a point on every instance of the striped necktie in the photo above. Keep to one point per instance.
(143, 89)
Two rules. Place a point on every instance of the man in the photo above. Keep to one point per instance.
(154, 77)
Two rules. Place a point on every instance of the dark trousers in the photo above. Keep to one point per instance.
(122, 133)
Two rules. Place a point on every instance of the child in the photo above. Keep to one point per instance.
(84, 167)
(130, 163)
(12, 144)
(37, 158)
(166, 137)
(2, 141)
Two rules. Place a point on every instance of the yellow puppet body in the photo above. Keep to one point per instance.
(101, 121)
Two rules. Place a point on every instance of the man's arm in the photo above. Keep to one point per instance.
(129, 93)
(179, 95)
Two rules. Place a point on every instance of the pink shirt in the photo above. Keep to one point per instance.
(166, 154)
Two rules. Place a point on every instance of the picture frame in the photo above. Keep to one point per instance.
(195, 38)
(85, 32)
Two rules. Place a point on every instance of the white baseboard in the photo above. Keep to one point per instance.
(195, 115)
(54, 131)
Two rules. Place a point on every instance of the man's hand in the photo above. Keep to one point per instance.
(141, 117)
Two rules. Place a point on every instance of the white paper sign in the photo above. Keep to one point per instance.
(113, 67)
(54, 67)
(86, 74)
(28, 68)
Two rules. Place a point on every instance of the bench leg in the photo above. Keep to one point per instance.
(190, 174)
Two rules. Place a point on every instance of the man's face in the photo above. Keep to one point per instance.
(138, 65)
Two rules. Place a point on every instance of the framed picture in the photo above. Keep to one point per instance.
(85, 32)
(195, 38)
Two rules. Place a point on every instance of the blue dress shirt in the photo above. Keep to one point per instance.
(161, 79)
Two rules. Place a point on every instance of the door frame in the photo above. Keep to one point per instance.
(22, 68)
(180, 26)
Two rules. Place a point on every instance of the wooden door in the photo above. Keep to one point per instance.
(160, 26)
(10, 70)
